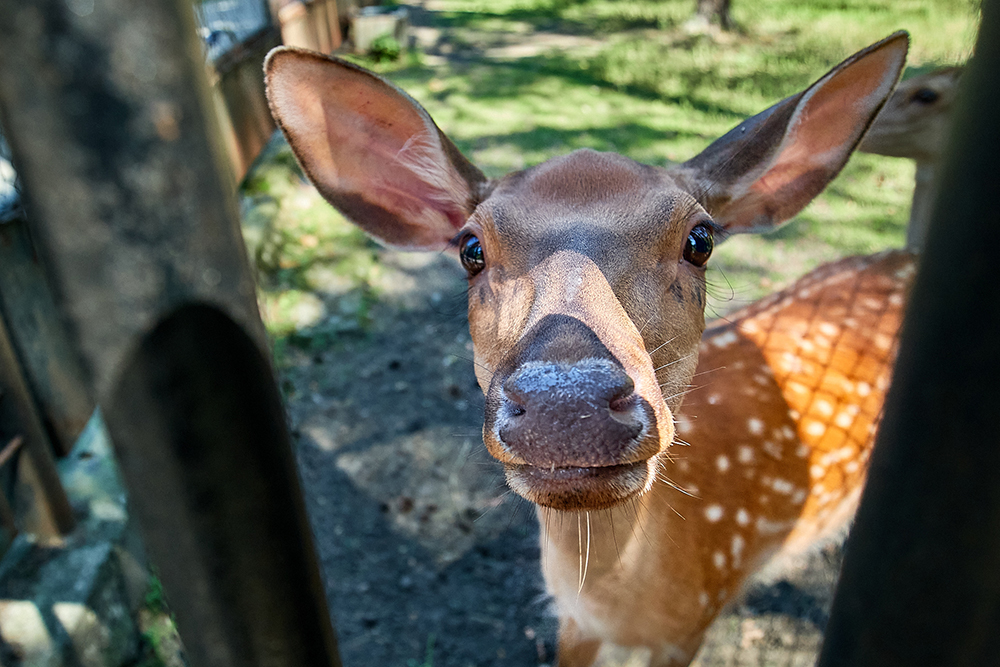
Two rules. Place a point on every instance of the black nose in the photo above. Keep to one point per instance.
(582, 414)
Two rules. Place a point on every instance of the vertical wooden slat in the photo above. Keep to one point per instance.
(50, 367)
(111, 121)
(48, 513)
(921, 580)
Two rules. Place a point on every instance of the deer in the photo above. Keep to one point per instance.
(802, 375)
(913, 125)
(587, 302)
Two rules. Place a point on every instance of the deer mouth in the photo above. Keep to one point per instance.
(581, 488)
(576, 428)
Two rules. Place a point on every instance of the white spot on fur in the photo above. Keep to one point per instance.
(790, 363)
(722, 463)
(713, 513)
(724, 340)
(863, 389)
(719, 559)
(714, 399)
(828, 329)
(737, 549)
(846, 453)
(816, 429)
(703, 599)
(817, 472)
(755, 426)
(824, 408)
(742, 517)
(773, 449)
(783, 486)
(744, 454)
(684, 424)
(768, 527)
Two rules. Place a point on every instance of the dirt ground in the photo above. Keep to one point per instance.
(429, 560)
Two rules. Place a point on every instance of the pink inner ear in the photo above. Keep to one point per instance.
(822, 134)
(369, 149)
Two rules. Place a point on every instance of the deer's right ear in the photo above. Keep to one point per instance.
(371, 150)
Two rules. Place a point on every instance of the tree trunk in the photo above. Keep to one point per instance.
(714, 11)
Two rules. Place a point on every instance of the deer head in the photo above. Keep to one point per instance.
(586, 272)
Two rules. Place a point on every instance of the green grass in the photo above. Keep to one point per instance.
(316, 272)
(651, 90)
(159, 643)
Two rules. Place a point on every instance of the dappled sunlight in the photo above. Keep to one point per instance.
(437, 488)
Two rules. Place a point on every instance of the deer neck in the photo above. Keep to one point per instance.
(924, 191)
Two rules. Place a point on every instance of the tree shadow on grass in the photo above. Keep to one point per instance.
(547, 19)
(510, 78)
(622, 138)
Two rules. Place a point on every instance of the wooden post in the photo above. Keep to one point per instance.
(921, 580)
(48, 513)
(38, 335)
(133, 207)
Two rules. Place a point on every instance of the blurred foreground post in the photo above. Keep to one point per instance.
(921, 579)
(110, 124)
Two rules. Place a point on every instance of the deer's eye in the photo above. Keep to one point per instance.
(699, 245)
(471, 253)
(925, 96)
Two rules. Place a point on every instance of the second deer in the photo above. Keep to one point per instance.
(913, 125)
(586, 306)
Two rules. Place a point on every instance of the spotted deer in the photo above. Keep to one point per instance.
(913, 124)
(586, 307)
(801, 377)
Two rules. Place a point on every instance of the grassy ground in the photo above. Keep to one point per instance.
(637, 81)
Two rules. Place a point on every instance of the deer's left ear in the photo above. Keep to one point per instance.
(769, 167)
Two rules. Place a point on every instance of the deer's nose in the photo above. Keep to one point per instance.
(582, 414)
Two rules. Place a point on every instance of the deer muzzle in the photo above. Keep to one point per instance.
(577, 428)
